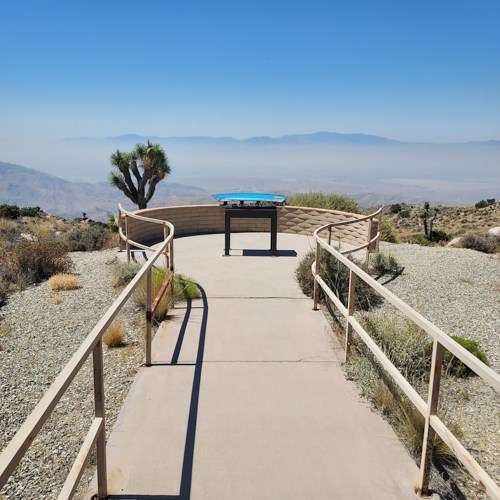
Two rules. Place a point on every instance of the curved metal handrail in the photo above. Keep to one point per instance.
(366, 245)
(124, 237)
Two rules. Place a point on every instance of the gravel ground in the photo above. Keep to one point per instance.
(43, 336)
(457, 289)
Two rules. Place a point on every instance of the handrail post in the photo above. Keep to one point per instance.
(119, 221)
(172, 270)
(148, 317)
(316, 286)
(329, 235)
(367, 256)
(127, 241)
(350, 309)
(102, 480)
(166, 253)
(432, 406)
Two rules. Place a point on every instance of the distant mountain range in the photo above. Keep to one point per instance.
(313, 138)
(27, 187)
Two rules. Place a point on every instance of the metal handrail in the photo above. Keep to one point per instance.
(433, 425)
(370, 242)
(20, 443)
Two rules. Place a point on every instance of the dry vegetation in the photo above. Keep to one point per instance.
(34, 246)
(468, 222)
(63, 281)
(115, 334)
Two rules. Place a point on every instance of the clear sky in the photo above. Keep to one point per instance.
(413, 70)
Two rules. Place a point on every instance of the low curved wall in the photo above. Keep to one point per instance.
(205, 219)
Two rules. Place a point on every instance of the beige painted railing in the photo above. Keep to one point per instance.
(433, 424)
(23, 439)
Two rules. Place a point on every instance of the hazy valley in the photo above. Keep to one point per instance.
(374, 170)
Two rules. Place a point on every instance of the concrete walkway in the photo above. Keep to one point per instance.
(247, 399)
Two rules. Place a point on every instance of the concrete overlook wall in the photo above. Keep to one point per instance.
(203, 219)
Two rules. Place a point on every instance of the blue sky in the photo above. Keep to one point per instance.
(413, 70)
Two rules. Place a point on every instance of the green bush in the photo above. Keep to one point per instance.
(9, 211)
(331, 201)
(481, 204)
(387, 231)
(31, 211)
(384, 264)
(123, 273)
(336, 276)
(454, 366)
(419, 239)
(396, 208)
(439, 235)
(404, 214)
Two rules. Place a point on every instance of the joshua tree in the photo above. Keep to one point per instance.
(147, 164)
(428, 220)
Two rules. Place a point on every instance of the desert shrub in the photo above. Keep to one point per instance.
(123, 273)
(88, 237)
(336, 276)
(4, 291)
(387, 231)
(112, 223)
(419, 239)
(490, 201)
(403, 342)
(404, 214)
(395, 208)
(34, 261)
(9, 211)
(438, 235)
(330, 201)
(114, 335)
(31, 211)
(481, 243)
(63, 281)
(453, 365)
(481, 204)
(408, 348)
(384, 264)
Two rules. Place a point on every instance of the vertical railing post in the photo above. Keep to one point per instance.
(432, 406)
(329, 235)
(120, 223)
(367, 256)
(166, 252)
(127, 241)
(316, 285)
(172, 270)
(148, 317)
(350, 309)
(102, 481)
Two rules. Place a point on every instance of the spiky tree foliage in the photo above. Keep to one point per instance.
(137, 173)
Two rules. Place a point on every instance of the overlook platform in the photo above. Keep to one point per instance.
(246, 398)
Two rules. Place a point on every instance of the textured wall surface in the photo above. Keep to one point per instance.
(203, 219)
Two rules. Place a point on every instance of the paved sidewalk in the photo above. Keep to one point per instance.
(246, 399)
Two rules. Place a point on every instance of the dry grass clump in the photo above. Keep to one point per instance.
(55, 299)
(114, 335)
(63, 281)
